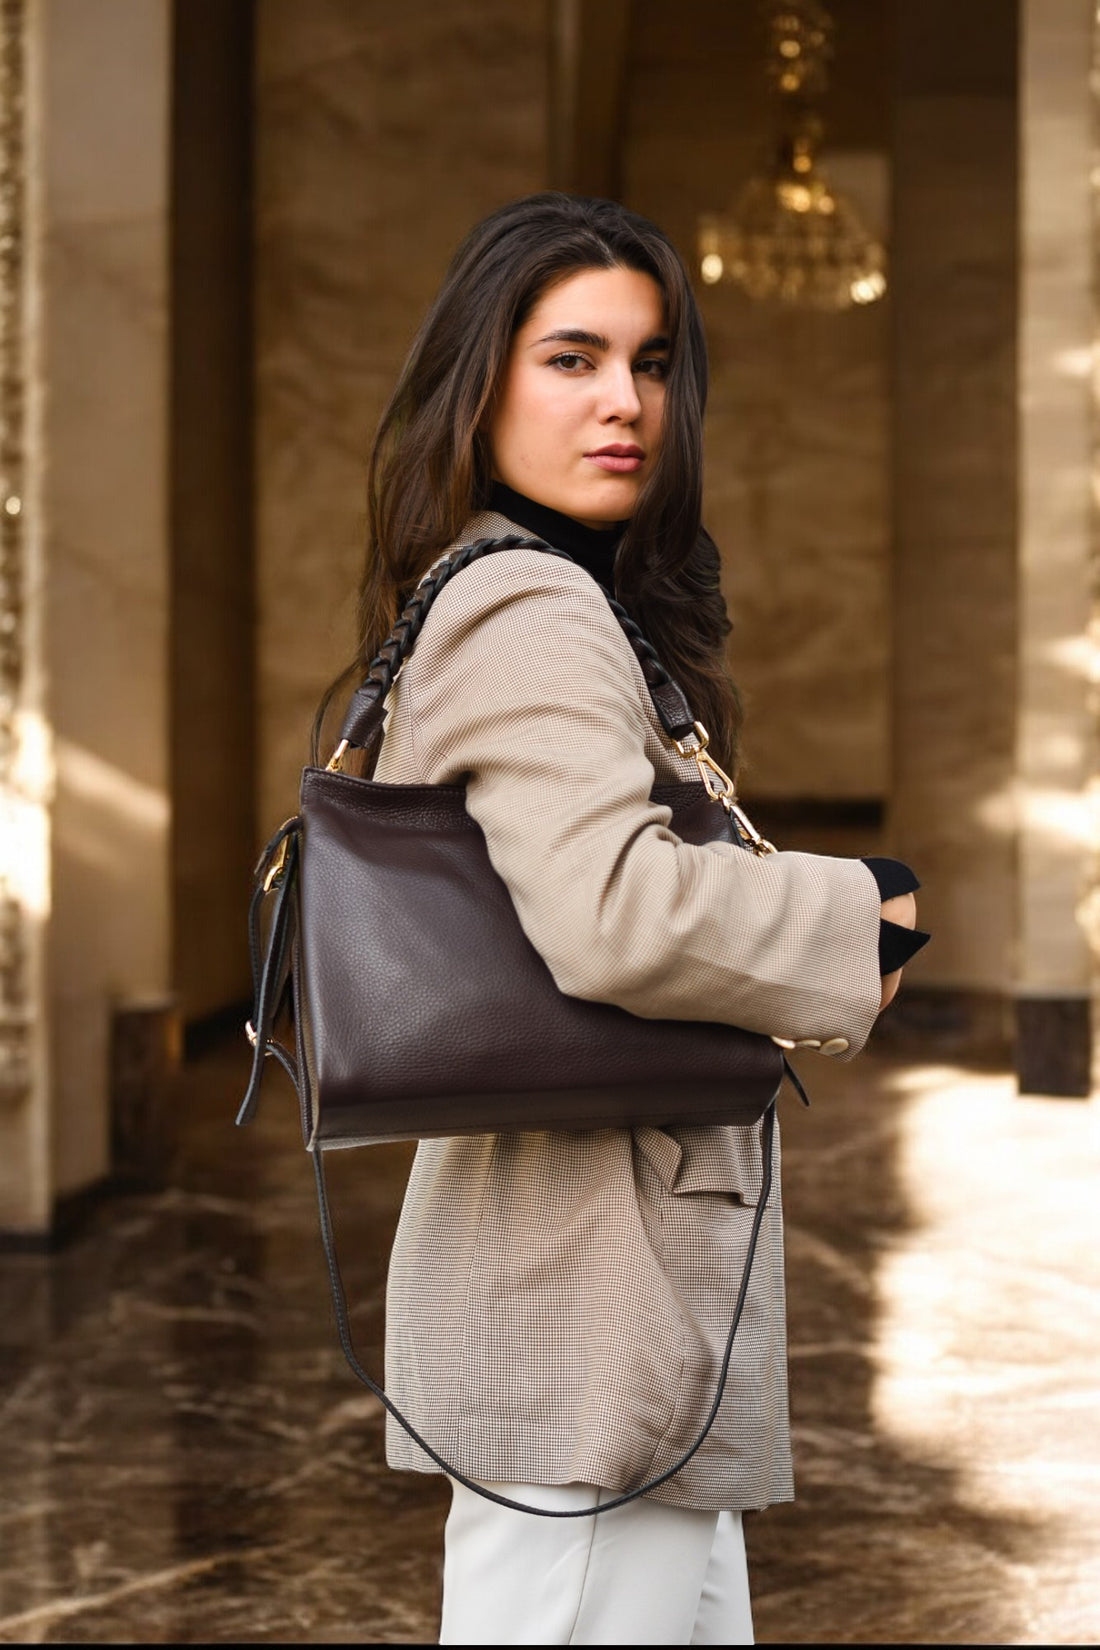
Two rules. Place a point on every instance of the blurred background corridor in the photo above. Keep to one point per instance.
(220, 223)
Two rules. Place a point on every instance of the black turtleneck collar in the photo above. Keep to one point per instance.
(592, 548)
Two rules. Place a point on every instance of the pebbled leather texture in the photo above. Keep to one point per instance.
(423, 1009)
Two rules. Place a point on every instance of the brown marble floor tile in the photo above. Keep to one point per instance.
(187, 1459)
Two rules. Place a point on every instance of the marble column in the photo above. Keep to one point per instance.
(24, 766)
(94, 505)
(994, 742)
(1056, 740)
(954, 292)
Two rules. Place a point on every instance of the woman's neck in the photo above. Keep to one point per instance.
(592, 548)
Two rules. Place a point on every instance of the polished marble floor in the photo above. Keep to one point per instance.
(185, 1458)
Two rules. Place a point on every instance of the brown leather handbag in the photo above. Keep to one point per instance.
(420, 1007)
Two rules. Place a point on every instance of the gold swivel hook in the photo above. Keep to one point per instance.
(720, 787)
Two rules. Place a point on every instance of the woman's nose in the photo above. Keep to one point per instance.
(619, 394)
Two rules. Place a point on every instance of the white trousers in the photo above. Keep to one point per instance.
(643, 1574)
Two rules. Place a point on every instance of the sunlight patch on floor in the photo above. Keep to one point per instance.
(989, 1305)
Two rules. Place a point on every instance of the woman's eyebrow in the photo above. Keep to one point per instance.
(576, 335)
(595, 340)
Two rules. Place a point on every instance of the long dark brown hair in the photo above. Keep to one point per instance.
(431, 465)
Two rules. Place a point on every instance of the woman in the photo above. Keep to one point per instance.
(558, 1302)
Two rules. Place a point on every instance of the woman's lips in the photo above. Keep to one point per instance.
(618, 460)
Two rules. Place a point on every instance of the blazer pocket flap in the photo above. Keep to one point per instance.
(704, 1160)
(663, 1154)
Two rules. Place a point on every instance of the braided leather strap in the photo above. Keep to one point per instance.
(366, 709)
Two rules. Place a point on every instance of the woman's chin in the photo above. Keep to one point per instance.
(610, 500)
(594, 501)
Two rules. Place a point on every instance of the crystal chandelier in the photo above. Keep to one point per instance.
(791, 236)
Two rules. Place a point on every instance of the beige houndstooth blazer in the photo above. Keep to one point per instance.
(558, 1302)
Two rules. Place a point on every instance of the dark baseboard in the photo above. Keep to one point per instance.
(210, 1031)
(1047, 1041)
(1054, 1046)
(927, 1022)
(788, 813)
(145, 1047)
(71, 1214)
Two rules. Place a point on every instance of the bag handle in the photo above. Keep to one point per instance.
(365, 712)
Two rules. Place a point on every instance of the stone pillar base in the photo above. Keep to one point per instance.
(145, 1054)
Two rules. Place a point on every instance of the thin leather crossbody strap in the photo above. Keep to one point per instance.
(366, 708)
(343, 1325)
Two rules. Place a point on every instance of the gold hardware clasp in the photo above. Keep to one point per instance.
(254, 1037)
(720, 787)
(277, 866)
(693, 742)
(335, 763)
(746, 830)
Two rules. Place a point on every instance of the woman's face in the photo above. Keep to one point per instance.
(578, 417)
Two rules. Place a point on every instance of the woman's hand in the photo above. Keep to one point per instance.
(902, 909)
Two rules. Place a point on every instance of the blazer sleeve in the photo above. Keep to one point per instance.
(523, 687)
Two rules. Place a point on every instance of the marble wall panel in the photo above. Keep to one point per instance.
(798, 428)
(797, 496)
(384, 132)
(98, 128)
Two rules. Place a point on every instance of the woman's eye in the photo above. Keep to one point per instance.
(569, 361)
(655, 367)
